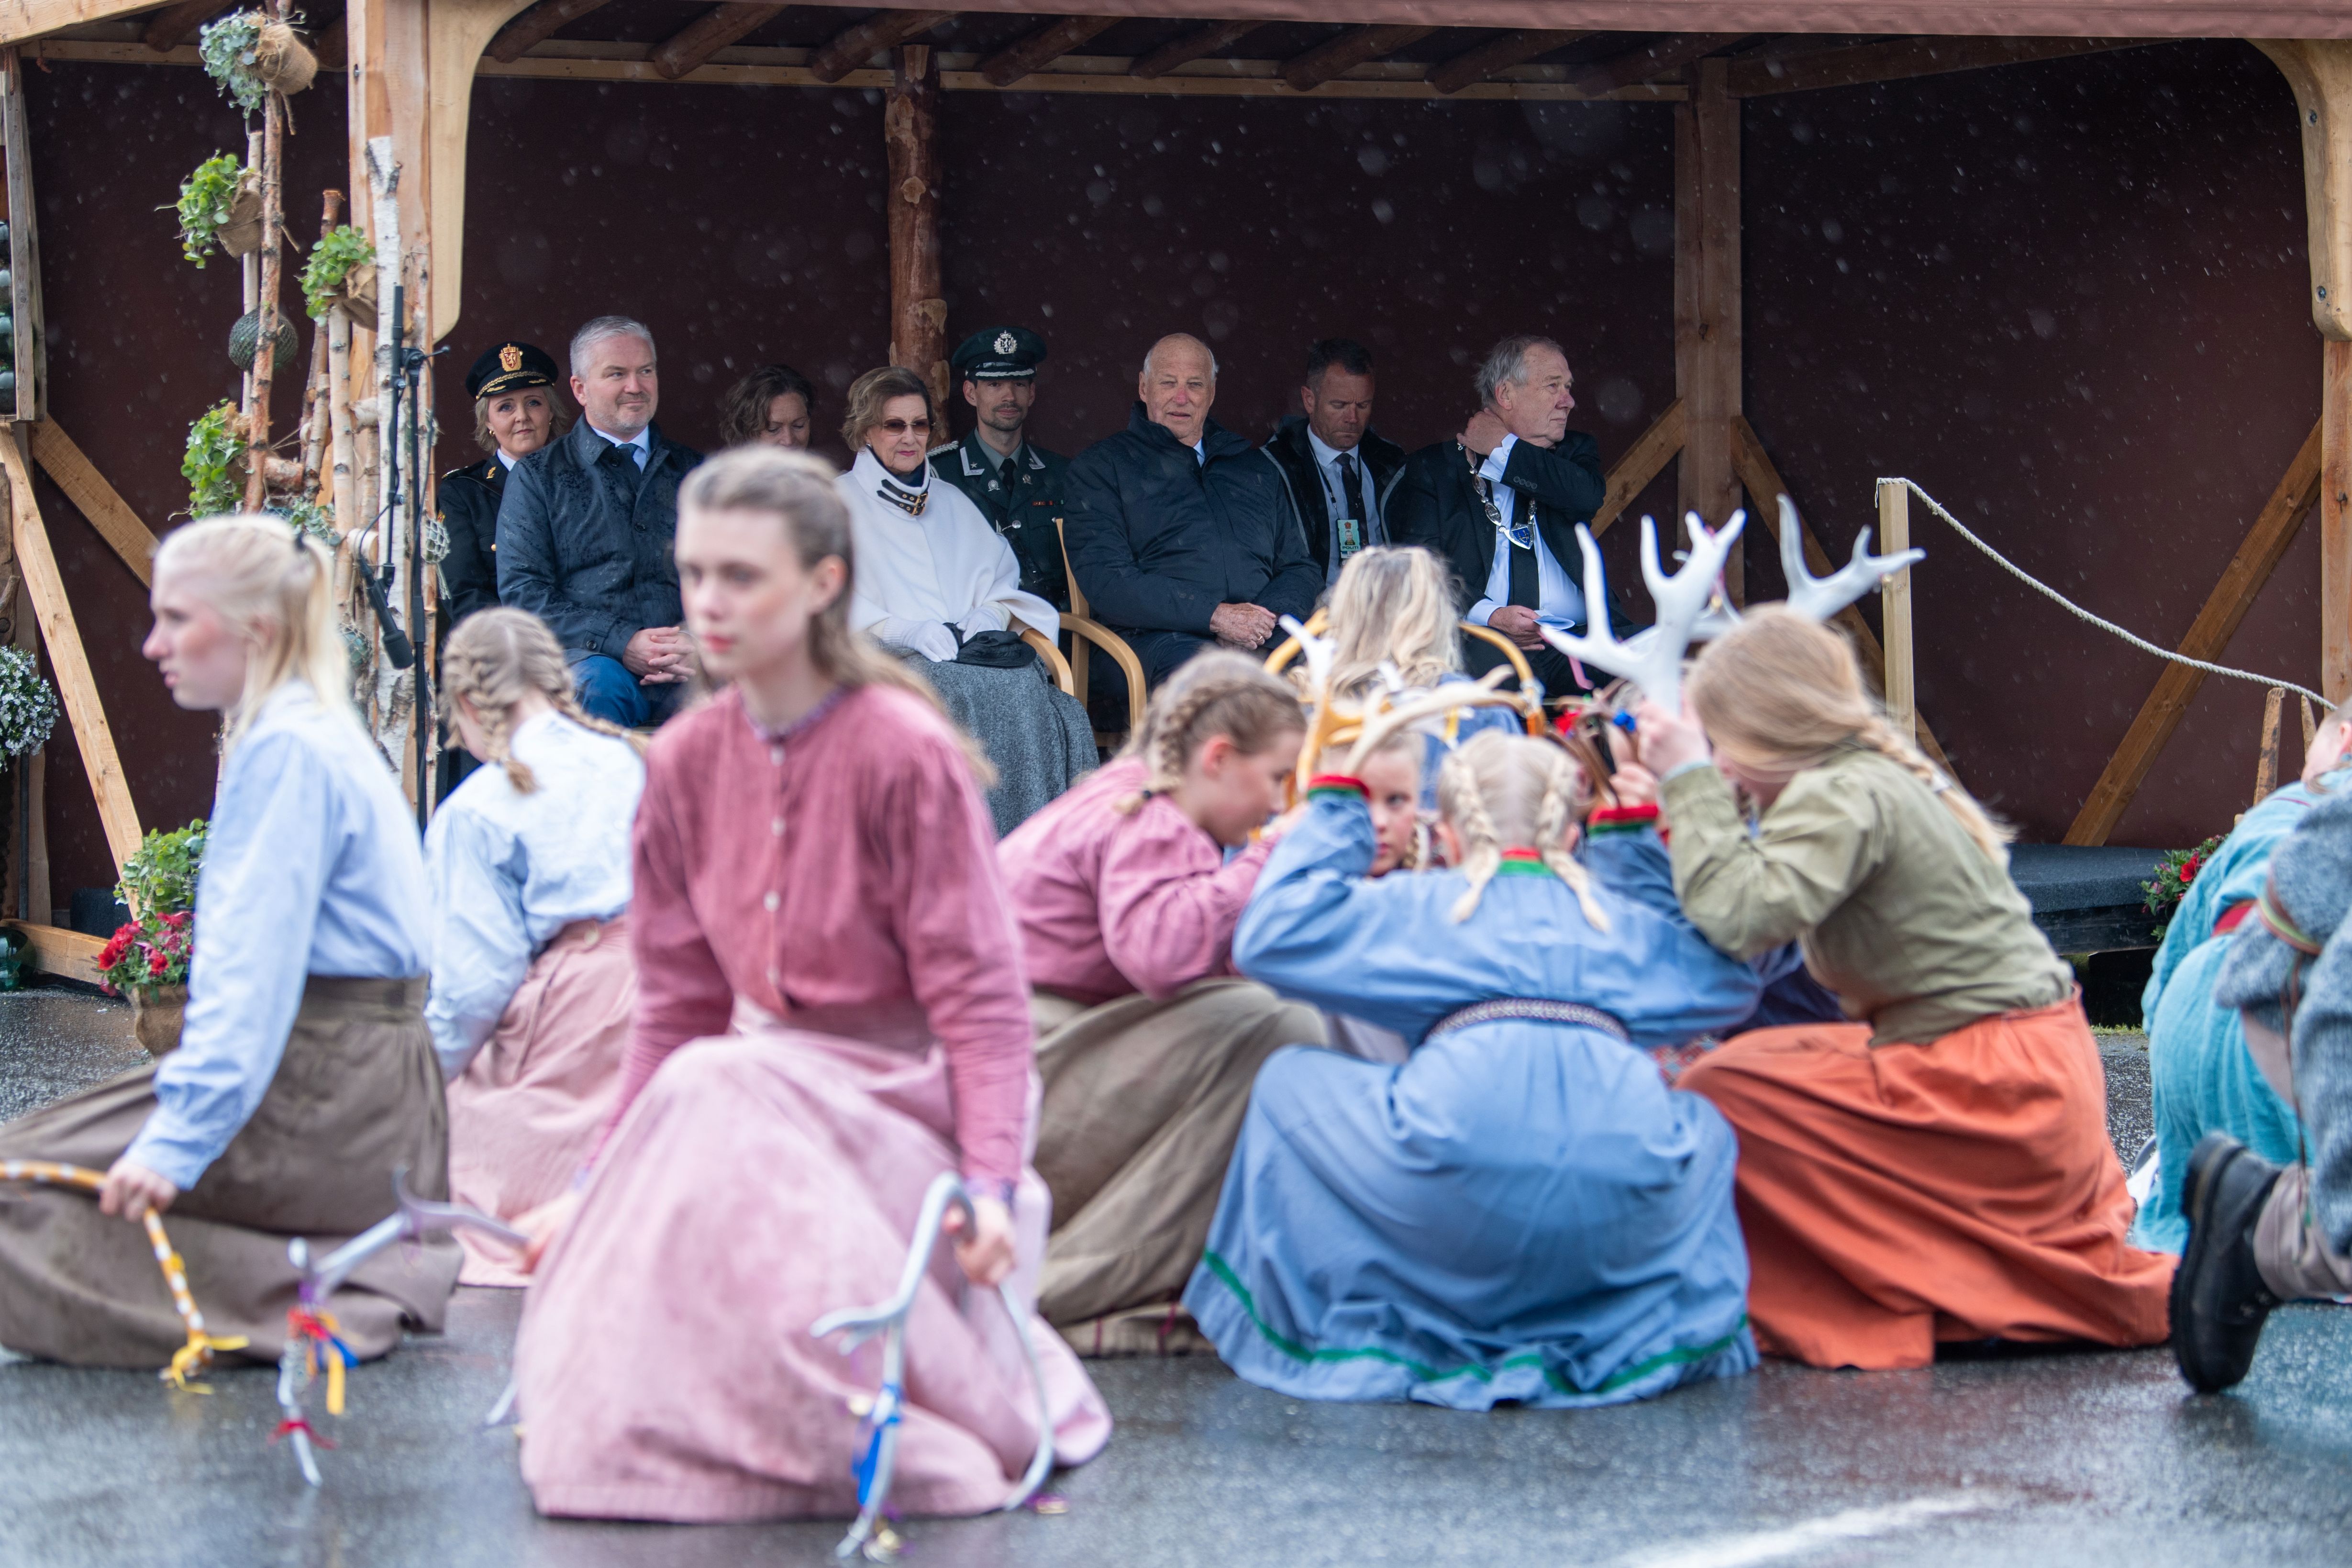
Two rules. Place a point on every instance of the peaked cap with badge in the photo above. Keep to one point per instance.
(1021, 496)
(509, 367)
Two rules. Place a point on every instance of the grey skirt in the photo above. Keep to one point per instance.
(1038, 737)
(357, 1096)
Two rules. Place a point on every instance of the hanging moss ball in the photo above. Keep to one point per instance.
(246, 337)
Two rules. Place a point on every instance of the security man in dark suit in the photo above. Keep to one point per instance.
(1016, 484)
(516, 412)
(1339, 468)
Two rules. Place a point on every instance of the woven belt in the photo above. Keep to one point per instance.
(1532, 1010)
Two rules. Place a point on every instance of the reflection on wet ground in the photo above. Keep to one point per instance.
(2064, 1457)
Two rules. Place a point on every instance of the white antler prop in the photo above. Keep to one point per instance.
(1330, 720)
(1819, 598)
(1653, 662)
(1444, 699)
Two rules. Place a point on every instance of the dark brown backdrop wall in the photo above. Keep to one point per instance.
(2069, 300)
(2070, 303)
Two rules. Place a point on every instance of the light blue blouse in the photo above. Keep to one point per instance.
(311, 866)
(510, 870)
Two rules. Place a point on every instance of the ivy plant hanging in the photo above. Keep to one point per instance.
(215, 463)
(208, 199)
(29, 703)
(340, 252)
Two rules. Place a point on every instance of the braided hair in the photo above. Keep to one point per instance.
(1218, 692)
(493, 658)
(1500, 791)
(1781, 693)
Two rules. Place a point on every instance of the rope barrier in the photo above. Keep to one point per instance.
(2006, 564)
(197, 1354)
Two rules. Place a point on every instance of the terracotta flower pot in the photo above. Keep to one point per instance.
(156, 1014)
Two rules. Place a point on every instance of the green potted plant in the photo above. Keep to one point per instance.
(28, 712)
(220, 204)
(213, 464)
(251, 55)
(2174, 874)
(147, 958)
(342, 272)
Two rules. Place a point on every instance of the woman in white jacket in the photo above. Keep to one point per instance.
(939, 587)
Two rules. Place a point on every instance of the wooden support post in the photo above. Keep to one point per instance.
(46, 588)
(1894, 538)
(2320, 72)
(2266, 755)
(30, 357)
(75, 474)
(1497, 55)
(1765, 487)
(265, 347)
(918, 316)
(1708, 328)
(1643, 461)
(1186, 48)
(2209, 639)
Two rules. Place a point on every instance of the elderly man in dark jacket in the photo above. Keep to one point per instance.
(585, 529)
(1179, 533)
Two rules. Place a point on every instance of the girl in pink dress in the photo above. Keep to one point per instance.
(830, 1014)
(1128, 887)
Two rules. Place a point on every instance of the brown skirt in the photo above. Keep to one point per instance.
(356, 1097)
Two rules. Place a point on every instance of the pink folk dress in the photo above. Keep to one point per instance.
(831, 1012)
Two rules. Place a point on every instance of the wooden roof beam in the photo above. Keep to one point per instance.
(694, 44)
(1497, 55)
(537, 24)
(883, 30)
(174, 25)
(1906, 57)
(1651, 61)
(1185, 48)
(1335, 58)
(1034, 51)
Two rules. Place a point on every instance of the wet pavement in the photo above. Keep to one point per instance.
(2085, 1457)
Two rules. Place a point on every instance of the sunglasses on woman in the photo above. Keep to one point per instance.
(901, 426)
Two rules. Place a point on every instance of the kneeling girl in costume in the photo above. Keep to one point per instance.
(1940, 1171)
(1127, 888)
(830, 1015)
(304, 1076)
(532, 984)
(1522, 1210)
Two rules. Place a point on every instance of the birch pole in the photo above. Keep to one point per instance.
(317, 394)
(393, 688)
(265, 343)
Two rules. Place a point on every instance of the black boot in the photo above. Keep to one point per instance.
(2218, 1299)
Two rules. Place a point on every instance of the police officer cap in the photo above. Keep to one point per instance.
(999, 353)
(508, 367)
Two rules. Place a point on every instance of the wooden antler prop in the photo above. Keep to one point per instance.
(1653, 663)
(1376, 727)
(1330, 720)
(1819, 598)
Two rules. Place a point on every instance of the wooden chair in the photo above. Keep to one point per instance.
(1055, 664)
(1084, 629)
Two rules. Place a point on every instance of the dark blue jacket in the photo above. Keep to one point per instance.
(585, 542)
(1159, 538)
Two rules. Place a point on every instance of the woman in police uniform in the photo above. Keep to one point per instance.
(517, 411)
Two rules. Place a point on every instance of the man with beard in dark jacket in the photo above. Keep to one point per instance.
(1179, 532)
(1338, 467)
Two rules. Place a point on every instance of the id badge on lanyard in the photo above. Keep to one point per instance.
(1350, 534)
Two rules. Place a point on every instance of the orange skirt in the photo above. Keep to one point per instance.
(1964, 1190)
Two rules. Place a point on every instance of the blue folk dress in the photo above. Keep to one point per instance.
(1520, 1211)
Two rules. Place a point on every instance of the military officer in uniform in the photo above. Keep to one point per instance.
(516, 412)
(1016, 484)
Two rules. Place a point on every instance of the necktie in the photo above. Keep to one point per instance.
(1005, 477)
(1351, 491)
(1526, 584)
